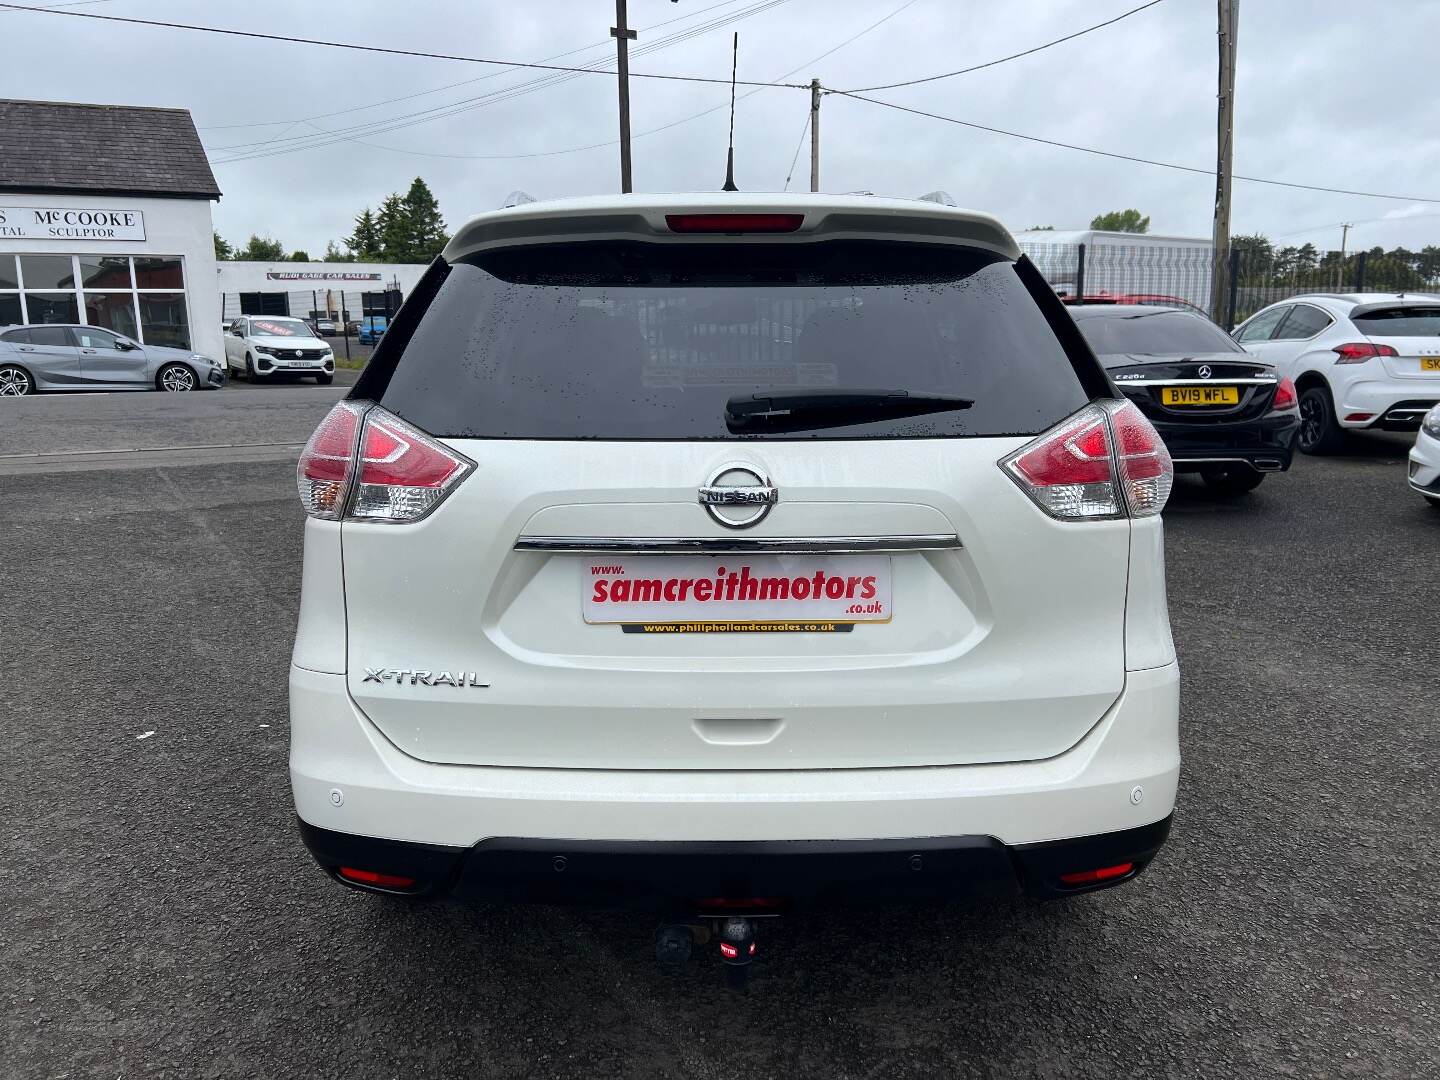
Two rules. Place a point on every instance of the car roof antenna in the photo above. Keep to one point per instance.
(730, 148)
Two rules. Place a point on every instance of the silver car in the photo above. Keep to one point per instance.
(75, 357)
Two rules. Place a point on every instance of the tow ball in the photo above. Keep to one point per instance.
(675, 944)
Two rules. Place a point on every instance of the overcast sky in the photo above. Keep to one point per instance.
(1328, 93)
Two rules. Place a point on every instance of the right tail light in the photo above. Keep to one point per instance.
(1106, 461)
(364, 464)
(1285, 396)
(1357, 352)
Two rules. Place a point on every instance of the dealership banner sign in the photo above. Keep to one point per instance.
(58, 223)
(318, 275)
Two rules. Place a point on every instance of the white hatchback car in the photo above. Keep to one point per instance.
(1358, 360)
(716, 554)
(1425, 458)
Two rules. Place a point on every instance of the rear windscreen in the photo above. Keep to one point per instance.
(630, 340)
(1399, 322)
(1154, 333)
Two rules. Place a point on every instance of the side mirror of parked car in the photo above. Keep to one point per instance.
(125, 346)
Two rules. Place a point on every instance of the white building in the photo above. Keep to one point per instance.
(316, 290)
(105, 219)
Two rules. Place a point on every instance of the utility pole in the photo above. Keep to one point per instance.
(623, 35)
(1229, 11)
(814, 134)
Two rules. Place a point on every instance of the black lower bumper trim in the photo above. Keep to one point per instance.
(664, 875)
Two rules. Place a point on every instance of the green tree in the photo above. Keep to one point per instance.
(1041, 228)
(223, 250)
(262, 249)
(334, 254)
(393, 227)
(1121, 221)
(423, 222)
(364, 242)
(300, 255)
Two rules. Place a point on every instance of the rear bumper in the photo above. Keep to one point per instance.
(1266, 444)
(1392, 404)
(763, 876)
(350, 781)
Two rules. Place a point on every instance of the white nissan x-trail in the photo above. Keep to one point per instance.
(726, 553)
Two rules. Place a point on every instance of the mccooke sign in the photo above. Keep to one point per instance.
(53, 223)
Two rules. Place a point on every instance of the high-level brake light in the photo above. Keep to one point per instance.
(734, 223)
(1106, 461)
(1357, 352)
(365, 464)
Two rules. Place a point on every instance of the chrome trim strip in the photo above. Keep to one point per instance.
(725, 545)
(1219, 380)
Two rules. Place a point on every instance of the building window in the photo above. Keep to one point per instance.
(162, 319)
(264, 303)
(141, 296)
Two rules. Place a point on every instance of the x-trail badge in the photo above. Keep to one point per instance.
(738, 496)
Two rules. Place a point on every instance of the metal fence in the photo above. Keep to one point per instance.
(1257, 274)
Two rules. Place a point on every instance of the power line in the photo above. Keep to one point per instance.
(1012, 56)
(447, 86)
(597, 145)
(383, 49)
(1131, 157)
(274, 147)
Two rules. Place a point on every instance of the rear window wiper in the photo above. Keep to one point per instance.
(826, 408)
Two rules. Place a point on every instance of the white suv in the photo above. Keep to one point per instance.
(724, 553)
(266, 346)
(1358, 360)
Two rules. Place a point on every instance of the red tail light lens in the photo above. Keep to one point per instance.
(327, 461)
(386, 469)
(1285, 397)
(1068, 471)
(730, 952)
(1146, 471)
(1357, 352)
(1090, 877)
(1103, 462)
(380, 881)
(734, 223)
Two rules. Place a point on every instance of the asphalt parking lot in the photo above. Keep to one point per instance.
(158, 916)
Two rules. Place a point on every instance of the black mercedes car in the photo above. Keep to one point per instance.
(1221, 413)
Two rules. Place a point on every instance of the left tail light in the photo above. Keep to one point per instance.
(1106, 461)
(363, 464)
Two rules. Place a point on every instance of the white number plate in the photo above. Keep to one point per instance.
(739, 588)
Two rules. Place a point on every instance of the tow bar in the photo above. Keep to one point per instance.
(675, 944)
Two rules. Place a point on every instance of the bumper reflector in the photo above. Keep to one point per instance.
(1358, 416)
(1090, 877)
(380, 881)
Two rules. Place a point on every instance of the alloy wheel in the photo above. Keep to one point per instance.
(14, 382)
(177, 379)
(1312, 421)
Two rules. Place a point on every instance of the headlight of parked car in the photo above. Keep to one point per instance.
(1431, 423)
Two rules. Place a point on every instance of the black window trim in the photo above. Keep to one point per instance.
(1329, 322)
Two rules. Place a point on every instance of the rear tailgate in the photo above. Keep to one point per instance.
(1008, 647)
(1412, 330)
